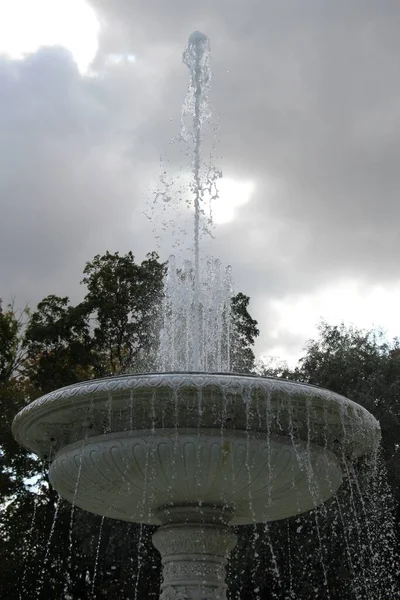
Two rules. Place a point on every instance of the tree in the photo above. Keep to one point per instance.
(14, 462)
(364, 366)
(11, 341)
(60, 350)
(17, 466)
(113, 330)
(245, 332)
(123, 300)
(107, 333)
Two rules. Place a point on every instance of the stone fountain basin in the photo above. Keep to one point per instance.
(129, 447)
(137, 476)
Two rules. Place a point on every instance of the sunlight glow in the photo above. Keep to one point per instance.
(27, 25)
(233, 194)
(119, 59)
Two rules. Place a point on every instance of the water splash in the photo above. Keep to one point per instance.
(96, 562)
(196, 318)
(48, 546)
(30, 545)
(68, 578)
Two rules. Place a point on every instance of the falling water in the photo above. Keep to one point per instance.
(140, 544)
(29, 537)
(67, 584)
(196, 318)
(48, 546)
(96, 561)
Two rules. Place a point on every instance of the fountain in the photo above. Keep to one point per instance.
(194, 450)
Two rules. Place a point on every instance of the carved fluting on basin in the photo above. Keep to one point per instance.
(129, 477)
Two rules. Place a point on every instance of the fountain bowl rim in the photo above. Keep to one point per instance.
(69, 397)
(228, 374)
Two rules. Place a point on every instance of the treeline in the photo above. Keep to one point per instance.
(46, 554)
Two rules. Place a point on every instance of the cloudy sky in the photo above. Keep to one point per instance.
(307, 95)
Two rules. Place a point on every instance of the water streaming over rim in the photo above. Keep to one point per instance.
(96, 561)
(48, 548)
(238, 420)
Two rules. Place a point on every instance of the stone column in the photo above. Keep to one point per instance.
(194, 544)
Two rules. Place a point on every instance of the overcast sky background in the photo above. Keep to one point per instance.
(307, 95)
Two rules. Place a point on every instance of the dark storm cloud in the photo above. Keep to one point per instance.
(63, 184)
(308, 94)
(308, 97)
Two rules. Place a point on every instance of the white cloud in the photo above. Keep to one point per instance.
(357, 304)
(233, 195)
(26, 25)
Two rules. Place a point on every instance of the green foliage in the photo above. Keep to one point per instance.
(11, 341)
(113, 330)
(15, 463)
(245, 332)
(8, 343)
(365, 367)
(59, 346)
(122, 300)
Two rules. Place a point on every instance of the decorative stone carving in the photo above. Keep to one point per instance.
(174, 400)
(172, 594)
(192, 594)
(194, 556)
(129, 477)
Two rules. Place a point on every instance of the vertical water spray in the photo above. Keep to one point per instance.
(196, 326)
(196, 57)
(196, 332)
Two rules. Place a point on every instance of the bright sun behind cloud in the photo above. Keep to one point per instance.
(233, 194)
(26, 25)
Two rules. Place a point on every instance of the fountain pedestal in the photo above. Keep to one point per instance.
(194, 544)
